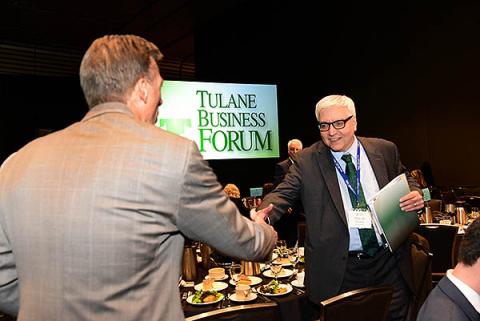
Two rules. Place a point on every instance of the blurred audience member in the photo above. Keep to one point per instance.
(281, 169)
(457, 296)
(233, 192)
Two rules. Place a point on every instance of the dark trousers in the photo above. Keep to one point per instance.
(382, 269)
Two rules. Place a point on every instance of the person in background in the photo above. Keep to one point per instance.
(333, 178)
(281, 168)
(93, 217)
(233, 192)
(457, 296)
(286, 226)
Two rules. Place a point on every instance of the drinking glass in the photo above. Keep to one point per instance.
(293, 257)
(276, 268)
(235, 272)
(281, 246)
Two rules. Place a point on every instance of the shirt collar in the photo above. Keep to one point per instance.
(470, 294)
(352, 151)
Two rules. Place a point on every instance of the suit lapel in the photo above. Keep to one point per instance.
(377, 161)
(329, 173)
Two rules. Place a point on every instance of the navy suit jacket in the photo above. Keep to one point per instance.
(447, 303)
(313, 180)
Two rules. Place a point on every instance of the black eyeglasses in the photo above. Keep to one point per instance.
(338, 124)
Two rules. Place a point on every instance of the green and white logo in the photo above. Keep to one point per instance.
(225, 120)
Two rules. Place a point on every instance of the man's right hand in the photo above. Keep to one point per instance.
(261, 216)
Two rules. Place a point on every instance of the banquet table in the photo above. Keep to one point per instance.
(291, 306)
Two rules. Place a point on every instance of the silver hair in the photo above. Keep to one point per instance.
(334, 100)
(295, 141)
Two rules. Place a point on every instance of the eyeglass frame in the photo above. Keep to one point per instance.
(344, 121)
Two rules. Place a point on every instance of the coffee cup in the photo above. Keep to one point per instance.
(216, 273)
(300, 277)
(242, 291)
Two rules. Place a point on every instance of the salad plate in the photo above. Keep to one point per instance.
(271, 288)
(191, 298)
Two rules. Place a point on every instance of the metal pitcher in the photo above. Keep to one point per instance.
(428, 217)
(250, 268)
(205, 252)
(461, 216)
(189, 264)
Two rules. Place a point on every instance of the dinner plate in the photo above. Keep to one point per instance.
(283, 274)
(282, 285)
(297, 284)
(217, 286)
(254, 280)
(190, 298)
(233, 297)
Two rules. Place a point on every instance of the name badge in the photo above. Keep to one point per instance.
(359, 218)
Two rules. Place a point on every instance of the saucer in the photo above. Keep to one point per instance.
(297, 284)
(233, 297)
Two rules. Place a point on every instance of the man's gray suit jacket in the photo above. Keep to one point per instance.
(93, 219)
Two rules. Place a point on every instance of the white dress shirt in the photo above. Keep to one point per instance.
(369, 185)
(470, 294)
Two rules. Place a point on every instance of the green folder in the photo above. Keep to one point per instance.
(395, 224)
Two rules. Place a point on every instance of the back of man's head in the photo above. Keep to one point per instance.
(113, 64)
(470, 246)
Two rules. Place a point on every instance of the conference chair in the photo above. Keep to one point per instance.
(435, 205)
(366, 304)
(422, 273)
(267, 311)
(442, 240)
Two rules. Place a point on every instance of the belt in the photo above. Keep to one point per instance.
(359, 255)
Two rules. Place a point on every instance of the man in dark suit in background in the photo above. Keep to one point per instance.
(333, 178)
(281, 168)
(457, 295)
(286, 226)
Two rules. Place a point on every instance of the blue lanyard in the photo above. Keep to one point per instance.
(355, 191)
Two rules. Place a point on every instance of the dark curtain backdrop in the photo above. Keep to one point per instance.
(410, 66)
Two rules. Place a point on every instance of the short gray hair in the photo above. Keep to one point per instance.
(295, 141)
(334, 100)
(112, 66)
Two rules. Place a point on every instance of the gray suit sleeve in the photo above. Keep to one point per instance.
(8, 278)
(206, 214)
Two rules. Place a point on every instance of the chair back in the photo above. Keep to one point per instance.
(267, 311)
(441, 239)
(422, 273)
(435, 205)
(367, 304)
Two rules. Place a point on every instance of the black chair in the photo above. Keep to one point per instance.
(435, 205)
(442, 240)
(249, 312)
(422, 272)
(367, 304)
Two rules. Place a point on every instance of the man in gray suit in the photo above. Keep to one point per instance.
(457, 296)
(333, 178)
(93, 217)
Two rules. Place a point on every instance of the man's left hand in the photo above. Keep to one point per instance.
(413, 201)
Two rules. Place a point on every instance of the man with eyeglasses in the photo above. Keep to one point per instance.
(333, 178)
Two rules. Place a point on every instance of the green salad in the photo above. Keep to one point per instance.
(206, 296)
(273, 287)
